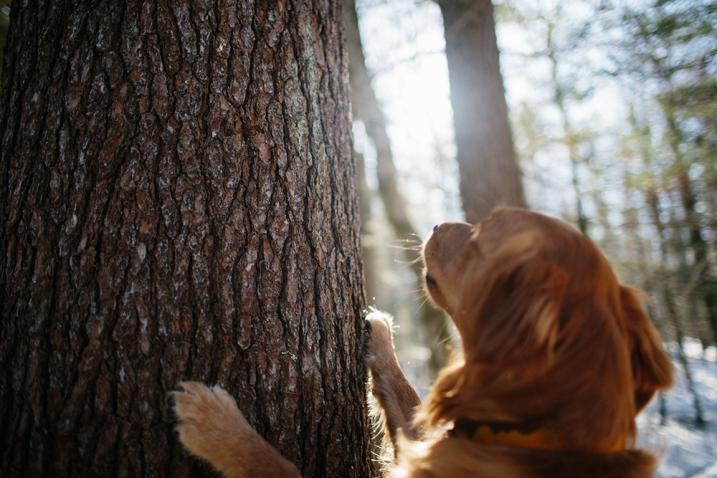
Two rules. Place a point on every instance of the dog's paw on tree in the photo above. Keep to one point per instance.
(212, 427)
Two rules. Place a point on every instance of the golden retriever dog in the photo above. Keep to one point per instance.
(557, 358)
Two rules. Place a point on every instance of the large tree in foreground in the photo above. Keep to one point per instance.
(177, 202)
(489, 174)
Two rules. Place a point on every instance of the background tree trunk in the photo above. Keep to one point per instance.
(670, 302)
(663, 285)
(570, 135)
(368, 249)
(366, 108)
(707, 290)
(178, 201)
(489, 174)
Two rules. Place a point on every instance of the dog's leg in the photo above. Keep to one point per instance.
(212, 427)
(390, 387)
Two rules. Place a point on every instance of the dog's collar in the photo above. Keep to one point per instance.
(518, 435)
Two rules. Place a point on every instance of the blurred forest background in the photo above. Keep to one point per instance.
(613, 111)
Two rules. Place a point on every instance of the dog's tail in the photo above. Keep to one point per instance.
(212, 427)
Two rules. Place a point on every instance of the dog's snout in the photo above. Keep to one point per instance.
(451, 228)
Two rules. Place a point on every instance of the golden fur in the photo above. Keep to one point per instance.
(212, 427)
(549, 337)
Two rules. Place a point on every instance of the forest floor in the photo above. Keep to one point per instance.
(686, 450)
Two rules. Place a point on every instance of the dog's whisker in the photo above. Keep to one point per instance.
(446, 341)
(420, 292)
(399, 247)
(422, 304)
(408, 263)
(404, 241)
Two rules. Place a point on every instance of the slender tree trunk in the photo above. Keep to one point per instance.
(178, 201)
(668, 297)
(707, 289)
(662, 404)
(569, 134)
(673, 316)
(366, 108)
(489, 174)
(663, 285)
(631, 221)
(368, 249)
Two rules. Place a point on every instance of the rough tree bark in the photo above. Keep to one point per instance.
(178, 201)
(489, 174)
(4, 23)
(365, 107)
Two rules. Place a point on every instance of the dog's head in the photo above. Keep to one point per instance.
(548, 333)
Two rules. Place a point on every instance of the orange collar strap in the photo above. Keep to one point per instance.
(519, 436)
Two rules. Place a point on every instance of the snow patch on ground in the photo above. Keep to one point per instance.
(686, 451)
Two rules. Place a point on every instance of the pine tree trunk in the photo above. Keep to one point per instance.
(178, 202)
(489, 174)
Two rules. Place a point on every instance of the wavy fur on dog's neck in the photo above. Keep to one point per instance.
(454, 457)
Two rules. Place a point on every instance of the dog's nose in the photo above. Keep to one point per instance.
(435, 228)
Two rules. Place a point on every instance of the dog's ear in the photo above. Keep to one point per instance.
(515, 320)
(651, 366)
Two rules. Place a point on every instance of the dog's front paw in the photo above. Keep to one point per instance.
(380, 350)
(208, 417)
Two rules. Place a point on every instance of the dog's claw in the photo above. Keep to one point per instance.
(379, 348)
